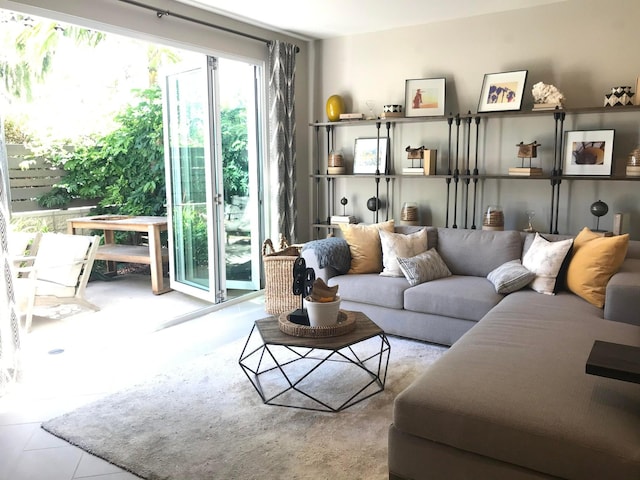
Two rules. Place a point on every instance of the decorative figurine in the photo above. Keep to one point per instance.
(303, 279)
(526, 150)
(546, 97)
(530, 215)
(374, 204)
(599, 209)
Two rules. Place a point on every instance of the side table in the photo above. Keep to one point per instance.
(613, 360)
(153, 255)
(300, 372)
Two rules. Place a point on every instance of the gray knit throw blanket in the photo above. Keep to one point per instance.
(331, 252)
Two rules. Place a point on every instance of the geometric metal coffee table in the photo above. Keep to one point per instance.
(325, 374)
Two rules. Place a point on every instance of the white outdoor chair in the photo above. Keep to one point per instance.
(22, 250)
(60, 272)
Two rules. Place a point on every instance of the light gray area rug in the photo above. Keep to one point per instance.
(204, 420)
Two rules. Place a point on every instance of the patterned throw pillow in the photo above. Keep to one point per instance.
(510, 277)
(545, 259)
(424, 267)
(396, 245)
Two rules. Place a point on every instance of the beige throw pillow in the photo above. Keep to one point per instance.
(396, 245)
(545, 258)
(364, 245)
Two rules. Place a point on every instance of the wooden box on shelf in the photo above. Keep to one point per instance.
(430, 160)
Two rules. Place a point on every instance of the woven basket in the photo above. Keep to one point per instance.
(278, 276)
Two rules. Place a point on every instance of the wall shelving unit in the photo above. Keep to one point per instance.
(462, 164)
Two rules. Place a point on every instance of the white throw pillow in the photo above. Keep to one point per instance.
(510, 277)
(545, 259)
(424, 267)
(396, 245)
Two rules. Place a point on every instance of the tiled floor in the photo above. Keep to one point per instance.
(102, 352)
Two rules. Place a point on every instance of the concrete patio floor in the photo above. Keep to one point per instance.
(82, 355)
(129, 315)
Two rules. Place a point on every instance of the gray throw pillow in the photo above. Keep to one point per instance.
(424, 267)
(510, 276)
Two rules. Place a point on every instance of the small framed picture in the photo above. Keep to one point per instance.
(369, 156)
(502, 92)
(424, 97)
(588, 152)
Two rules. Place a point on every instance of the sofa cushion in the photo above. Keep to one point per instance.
(396, 245)
(364, 245)
(424, 267)
(594, 261)
(371, 288)
(510, 277)
(477, 252)
(545, 259)
(465, 297)
(514, 389)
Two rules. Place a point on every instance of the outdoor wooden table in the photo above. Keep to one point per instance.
(153, 255)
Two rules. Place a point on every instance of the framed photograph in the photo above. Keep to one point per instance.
(588, 152)
(502, 92)
(424, 97)
(366, 156)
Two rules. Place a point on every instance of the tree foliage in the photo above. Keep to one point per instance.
(235, 158)
(35, 43)
(124, 169)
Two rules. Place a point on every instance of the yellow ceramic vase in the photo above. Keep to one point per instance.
(335, 106)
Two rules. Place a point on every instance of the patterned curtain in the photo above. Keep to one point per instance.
(9, 325)
(282, 125)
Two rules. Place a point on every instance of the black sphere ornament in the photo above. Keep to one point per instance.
(343, 202)
(373, 204)
(598, 209)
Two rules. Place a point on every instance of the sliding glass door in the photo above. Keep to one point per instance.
(212, 154)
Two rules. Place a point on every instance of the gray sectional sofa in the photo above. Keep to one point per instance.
(510, 399)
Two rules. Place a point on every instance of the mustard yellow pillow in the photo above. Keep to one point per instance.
(364, 245)
(595, 260)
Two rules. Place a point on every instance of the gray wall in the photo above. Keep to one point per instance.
(584, 47)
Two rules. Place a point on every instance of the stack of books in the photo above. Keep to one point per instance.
(547, 106)
(342, 219)
(525, 171)
(413, 171)
(352, 116)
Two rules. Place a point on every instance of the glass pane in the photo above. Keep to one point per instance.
(238, 123)
(187, 105)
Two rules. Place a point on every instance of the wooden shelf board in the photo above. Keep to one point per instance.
(516, 113)
(128, 253)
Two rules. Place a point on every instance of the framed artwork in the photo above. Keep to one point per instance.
(424, 97)
(588, 152)
(502, 92)
(366, 156)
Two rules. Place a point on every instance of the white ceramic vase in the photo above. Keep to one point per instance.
(323, 314)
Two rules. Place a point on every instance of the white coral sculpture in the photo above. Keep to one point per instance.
(543, 93)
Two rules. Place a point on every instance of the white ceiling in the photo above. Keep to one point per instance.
(332, 18)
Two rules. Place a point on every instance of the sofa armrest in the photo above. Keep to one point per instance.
(328, 257)
(622, 302)
(311, 259)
